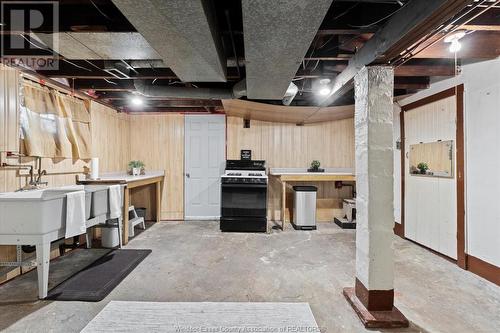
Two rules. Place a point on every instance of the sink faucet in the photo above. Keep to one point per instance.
(41, 173)
(33, 183)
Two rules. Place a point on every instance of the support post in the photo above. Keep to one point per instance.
(42, 267)
(283, 204)
(126, 205)
(373, 295)
(158, 200)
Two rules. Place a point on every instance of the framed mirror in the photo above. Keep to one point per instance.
(432, 159)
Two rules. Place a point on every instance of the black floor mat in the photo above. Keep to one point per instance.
(97, 280)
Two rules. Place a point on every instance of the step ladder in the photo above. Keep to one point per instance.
(135, 220)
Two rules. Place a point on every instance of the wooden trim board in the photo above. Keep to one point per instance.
(460, 152)
(374, 300)
(400, 229)
(484, 269)
(316, 178)
(431, 99)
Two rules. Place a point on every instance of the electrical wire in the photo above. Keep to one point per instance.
(110, 82)
(92, 64)
(76, 65)
(29, 41)
(345, 12)
(331, 48)
(453, 21)
(129, 66)
(315, 66)
(100, 11)
(378, 21)
(328, 41)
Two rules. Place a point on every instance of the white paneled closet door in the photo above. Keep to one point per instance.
(205, 143)
(431, 202)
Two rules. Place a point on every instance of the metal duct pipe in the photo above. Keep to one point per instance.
(290, 94)
(238, 90)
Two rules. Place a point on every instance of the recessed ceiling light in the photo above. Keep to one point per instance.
(136, 101)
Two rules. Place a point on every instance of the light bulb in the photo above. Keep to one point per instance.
(137, 101)
(324, 91)
(455, 46)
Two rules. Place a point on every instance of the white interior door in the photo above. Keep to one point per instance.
(205, 142)
(431, 202)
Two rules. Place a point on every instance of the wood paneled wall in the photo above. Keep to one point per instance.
(9, 104)
(158, 140)
(290, 146)
(110, 142)
(110, 137)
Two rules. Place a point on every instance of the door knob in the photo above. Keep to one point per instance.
(188, 175)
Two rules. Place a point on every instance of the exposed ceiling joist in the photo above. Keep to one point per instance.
(183, 33)
(277, 36)
(411, 83)
(477, 45)
(139, 73)
(411, 23)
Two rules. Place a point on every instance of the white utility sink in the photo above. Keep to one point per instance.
(34, 212)
(36, 217)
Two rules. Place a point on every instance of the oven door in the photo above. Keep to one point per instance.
(244, 200)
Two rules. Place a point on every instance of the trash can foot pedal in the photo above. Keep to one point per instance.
(303, 227)
(344, 224)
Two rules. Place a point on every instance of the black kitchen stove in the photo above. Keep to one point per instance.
(244, 196)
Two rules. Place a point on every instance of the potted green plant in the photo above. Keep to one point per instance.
(422, 167)
(135, 167)
(315, 166)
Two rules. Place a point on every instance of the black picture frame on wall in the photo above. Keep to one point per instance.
(246, 155)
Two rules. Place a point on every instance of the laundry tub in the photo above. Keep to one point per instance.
(99, 199)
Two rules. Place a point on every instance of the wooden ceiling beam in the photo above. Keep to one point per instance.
(411, 83)
(477, 45)
(473, 27)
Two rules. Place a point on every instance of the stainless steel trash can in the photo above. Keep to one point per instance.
(304, 208)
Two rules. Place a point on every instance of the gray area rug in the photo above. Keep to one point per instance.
(179, 317)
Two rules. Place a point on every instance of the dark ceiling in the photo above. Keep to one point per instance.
(344, 30)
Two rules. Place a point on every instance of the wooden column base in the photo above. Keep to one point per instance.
(375, 319)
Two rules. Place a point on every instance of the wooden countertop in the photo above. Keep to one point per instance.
(129, 182)
(301, 174)
(122, 177)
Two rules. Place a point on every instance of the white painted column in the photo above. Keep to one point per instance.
(374, 187)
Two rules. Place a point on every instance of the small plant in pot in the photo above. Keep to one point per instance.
(315, 167)
(422, 167)
(136, 167)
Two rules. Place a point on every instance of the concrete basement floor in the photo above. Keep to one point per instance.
(193, 261)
